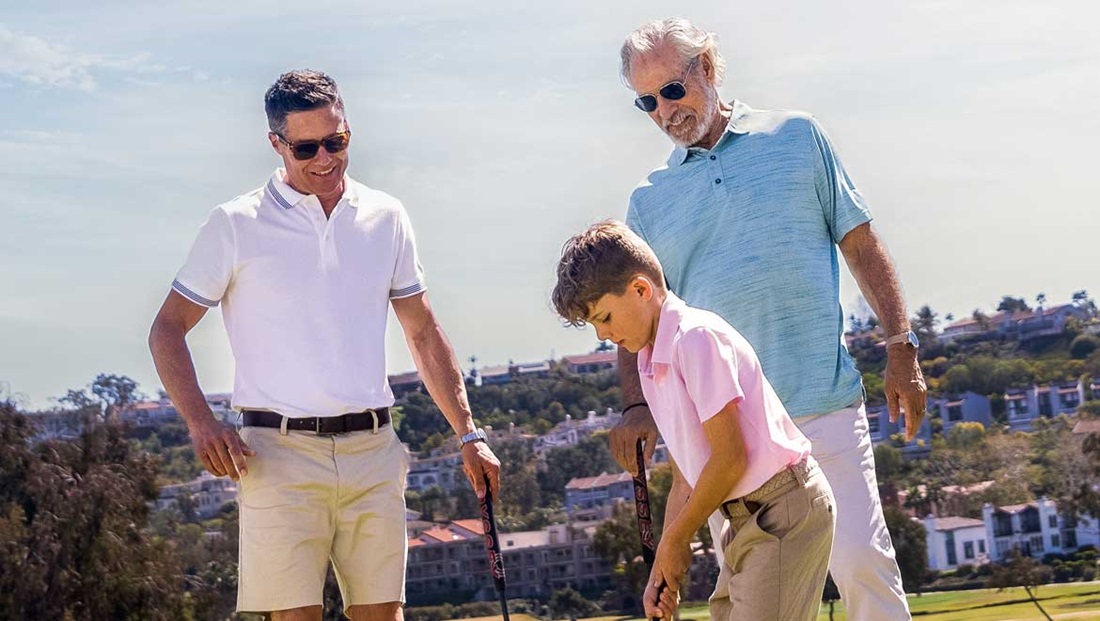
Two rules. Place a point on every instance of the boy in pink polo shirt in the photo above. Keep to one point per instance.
(732, 445)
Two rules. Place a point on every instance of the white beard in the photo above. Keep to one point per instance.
(702, 124)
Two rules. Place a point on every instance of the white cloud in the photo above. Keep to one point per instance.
(38, 62)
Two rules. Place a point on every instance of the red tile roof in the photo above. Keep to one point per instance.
(593, 358)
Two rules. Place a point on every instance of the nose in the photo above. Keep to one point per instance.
(323, 157)
(602, 333)
(665, 108)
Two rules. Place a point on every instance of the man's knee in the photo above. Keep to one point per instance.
(389, 611)
(307, 613)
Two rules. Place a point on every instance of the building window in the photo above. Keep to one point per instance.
(1052, 520)
(949, 543)
(1037, 545)
(981, 546)
(1055, 542)
(968, 550)
(954, 413)
(872, 424)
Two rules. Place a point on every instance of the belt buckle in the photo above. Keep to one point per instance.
(374, 418)
(318, 427)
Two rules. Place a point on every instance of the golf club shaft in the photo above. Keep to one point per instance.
(645, 519)
(492, 548)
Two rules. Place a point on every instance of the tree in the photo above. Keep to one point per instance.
(569, 604)
(115, 391)
(73, 518)
(830, 594)
(1019, 571)
(1041, 300)
(910, 544)
(1082, 301)
(616, 540)
(924, 324)
(1083, 345)
(1010, 304)
(983, 320)
(888, 461)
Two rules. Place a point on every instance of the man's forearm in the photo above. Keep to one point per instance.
(438, 367)
(877, 277)
(177, 374)
(629, 382)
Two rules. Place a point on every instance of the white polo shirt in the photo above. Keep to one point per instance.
(305, 298)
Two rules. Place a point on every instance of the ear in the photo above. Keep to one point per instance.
(274, 140)
(708, 68)
(642, 286)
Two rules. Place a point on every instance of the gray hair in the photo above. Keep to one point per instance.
(686, 38)
(301, 90)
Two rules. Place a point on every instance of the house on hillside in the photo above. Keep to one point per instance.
(1024, 405)
(970, 407)
(591, 363)
(208, 494)
(593, 498)
(1036, 528)
(402, 384)
(953, 541)
(881, 429)
(1019, 325)
(450, 561)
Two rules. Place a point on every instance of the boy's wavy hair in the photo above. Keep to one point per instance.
(597, 262)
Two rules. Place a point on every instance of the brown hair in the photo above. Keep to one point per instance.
(597, 262)
(301, 90)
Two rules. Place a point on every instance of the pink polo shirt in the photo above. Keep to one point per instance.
(698, 363)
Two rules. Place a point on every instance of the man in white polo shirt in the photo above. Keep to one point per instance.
(305, 269)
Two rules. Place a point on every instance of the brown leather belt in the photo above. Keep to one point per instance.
(750, 503)
(321, 425)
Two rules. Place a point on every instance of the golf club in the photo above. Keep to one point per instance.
(492, 547)
(645, 519)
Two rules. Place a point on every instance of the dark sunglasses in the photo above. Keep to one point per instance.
(673, 91)
(307, 149)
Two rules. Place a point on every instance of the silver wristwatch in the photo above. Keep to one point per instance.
(477, 435)
(906, 337)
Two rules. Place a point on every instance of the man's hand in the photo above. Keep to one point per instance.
(479, 462)
(672, 561)
(905, 388)
(220, 448)
(637, 424)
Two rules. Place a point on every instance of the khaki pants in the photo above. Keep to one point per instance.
(775, 559)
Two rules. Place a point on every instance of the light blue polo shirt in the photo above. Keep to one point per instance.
(748, 230)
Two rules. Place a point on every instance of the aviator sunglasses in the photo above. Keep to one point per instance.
(307, 149)
(673, 91)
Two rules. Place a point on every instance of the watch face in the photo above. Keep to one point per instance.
(913, 340)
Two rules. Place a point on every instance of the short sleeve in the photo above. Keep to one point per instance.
(408, 275)
(841, 203)
(634, 222)
(708, 365)
(205, 275)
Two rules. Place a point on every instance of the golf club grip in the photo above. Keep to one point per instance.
(492, 540)
(641, 504)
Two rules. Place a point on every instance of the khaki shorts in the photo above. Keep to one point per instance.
(775, 558)
(309, 499)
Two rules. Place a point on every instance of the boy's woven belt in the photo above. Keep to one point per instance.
(750, 503)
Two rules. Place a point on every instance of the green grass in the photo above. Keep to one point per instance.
(1080, 602)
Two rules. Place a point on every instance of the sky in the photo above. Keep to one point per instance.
(970, 127)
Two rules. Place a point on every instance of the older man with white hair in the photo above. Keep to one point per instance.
(746, 216)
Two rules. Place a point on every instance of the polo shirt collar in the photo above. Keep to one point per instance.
(288, 198)
(656, 359)
(738, 124)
